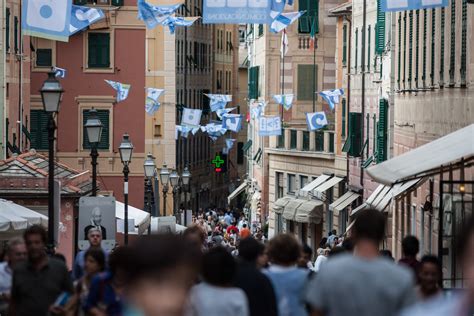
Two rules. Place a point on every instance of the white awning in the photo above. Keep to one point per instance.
(359, 208)
(343, 202)
(374, 194)
(279, 205)
(401, 188)
(237, 191)
(14, 217)
(316, 182)
(385, 191)
(310, 211)
(418, 162)
(290, 209)
(348, 229)
(141, 218)
(327, 184)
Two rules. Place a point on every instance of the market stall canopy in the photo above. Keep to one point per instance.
(141, 218)
(237, 191)
(427, 159)
(310, 211)
(14, 217)
(279, 205)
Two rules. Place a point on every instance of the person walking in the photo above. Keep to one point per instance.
(363, 284)
(255, 284)
(95, 240)
(216, 296)
(288, 280)
(410, 249)
(244, 232)
(40, 280)
(15, 253)
(429, 276)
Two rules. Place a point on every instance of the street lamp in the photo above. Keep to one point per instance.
(94, 132)
(164, 178)
(51, 95)
(174, 180)
(126, 149)
(149, 168)
(185, 178)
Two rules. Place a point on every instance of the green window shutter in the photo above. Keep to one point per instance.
(355, 134)
(404, 49)
(247, 146)
(305, 88)
(44, 57)
(253, 82)
(7, 29)
(99, 50)
(464, 43)
(367, 132)
(433, 42)
(380, 39)
(15, 33)
(382, 131)
(410, 49)
(399, 51)
(417, 47)
(312, 14)
(368, 48)
(104, 117)
(441, 61)
(356, 48)
(374, 137)
(452, 54)
(425, 31)
(319, 138)
(343, 121)
(344, 44)
(39, 129)
(260, 29)
(293, 138)
(305, 140)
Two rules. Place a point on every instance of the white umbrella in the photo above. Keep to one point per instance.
(142, 218)
(16, 217)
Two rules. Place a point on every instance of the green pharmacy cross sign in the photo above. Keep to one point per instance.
(218, 162)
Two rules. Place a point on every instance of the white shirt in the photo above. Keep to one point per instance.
(5, 278)
(320, 260)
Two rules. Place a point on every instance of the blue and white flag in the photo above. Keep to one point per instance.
(183, 130)
(59, 72)
(332, 97)
(284, 99)
(82, 17)
(282, 21)
(257, 109)
(221, 112)
(232, 122)
(46, 19)
(218, 101)
(407, 5)
(237, 11)
(151, 103)
(191, 117)
(214, 130)
(154, 15)
(122, 89)
(172, 21)
(316, 120)
(269, 126)
(229, 143)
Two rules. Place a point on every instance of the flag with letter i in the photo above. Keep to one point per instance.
(312, 35)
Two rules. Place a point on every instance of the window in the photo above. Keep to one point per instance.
(463, 43)
(356, 57)
(410, 49)
(103, 116)
(293, 139)
(319, 137)
(303, 181)
(344, 44)
(281, 139)
(417, 46)
(260, 30)
(310, 19)
(400, 50)
(343, 121)
(44, 57)
(7, 29)
(98, 50)
(305, 140)
(452, 55)
(382, 131)
(441, 62)
(343, 219)
(433, 42)
(15, 34)
(380, 29)
(306, 76)
(353, 144)
(291, 183)
(279, 185)
(425, 31)
(368, 47)
(253, 82)
(39, 129)
(331, 142)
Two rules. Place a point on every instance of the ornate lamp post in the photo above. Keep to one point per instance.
(94, 132)
(126, 150)
(174, 180)
(51, 95)
(186, 178)
(164, 178)
(149, 167)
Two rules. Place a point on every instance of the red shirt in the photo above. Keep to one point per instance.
(231, 229)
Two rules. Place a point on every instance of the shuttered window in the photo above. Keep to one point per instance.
(291, 183)
(374, 136)
(44, 57)
(305, 140)
(281, 139)
(293, 139)
(380, 32)
(417, 46)
(305, 22)
(98, 50)
(343, 120)
(39, 129)
(404, 50)
(433, 42)
(15, 34)
(425, 31)
(410, 50)
(240, 153)
(344, 44)
(305, 88)
(382, 131)
(368, 48)
(355, 134)
(279, 185)
(253, 82)
(399, 51)
(103, 116)
(452, 55)
(260, 30)
(7, 30)
(356, 57)
(319, 138)
(463, 43)
(441, 61)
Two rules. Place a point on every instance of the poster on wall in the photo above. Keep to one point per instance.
(237, 11)
(98, 213)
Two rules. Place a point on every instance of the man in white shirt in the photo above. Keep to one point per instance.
(15, 252)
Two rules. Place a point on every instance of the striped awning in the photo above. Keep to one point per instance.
(279, 205)
(344, 201)
(290, 209)
(310, 211)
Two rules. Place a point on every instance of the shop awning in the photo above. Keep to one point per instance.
(316, 182)
(348, 229)
(400, 188)
(344, 201)
(237, 191)
(14, 217)
(279, 205)
(426, 159)
(374, 194)
(327, 185)
(310, 211)
(290, 209)
(377, 202)
(359, 208)
(140, 218)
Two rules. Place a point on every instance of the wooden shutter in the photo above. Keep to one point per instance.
(355, 134)
(356, 49)
(410, 48)
(44, 57)
(452, 55)
(417, 47)
(433, 42)
(253, 82)
(425, 33)
(441, 61)
(343, 120)
(39, 129)
(305, 88)
(382, 131)
(7, 29)
(368, 48)
(99, 50)
(399, 50)
(380, 39)
(305, 22)
(15, 34)
(344, 44)
(464, 43)
(103, 116)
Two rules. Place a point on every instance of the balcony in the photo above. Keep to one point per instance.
(303, 143)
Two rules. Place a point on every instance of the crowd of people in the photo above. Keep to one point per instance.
(216, 268)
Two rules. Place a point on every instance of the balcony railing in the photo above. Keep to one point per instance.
(304, 141)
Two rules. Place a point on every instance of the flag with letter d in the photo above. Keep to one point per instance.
(191, 117)
(46, 19)
(316, 120)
